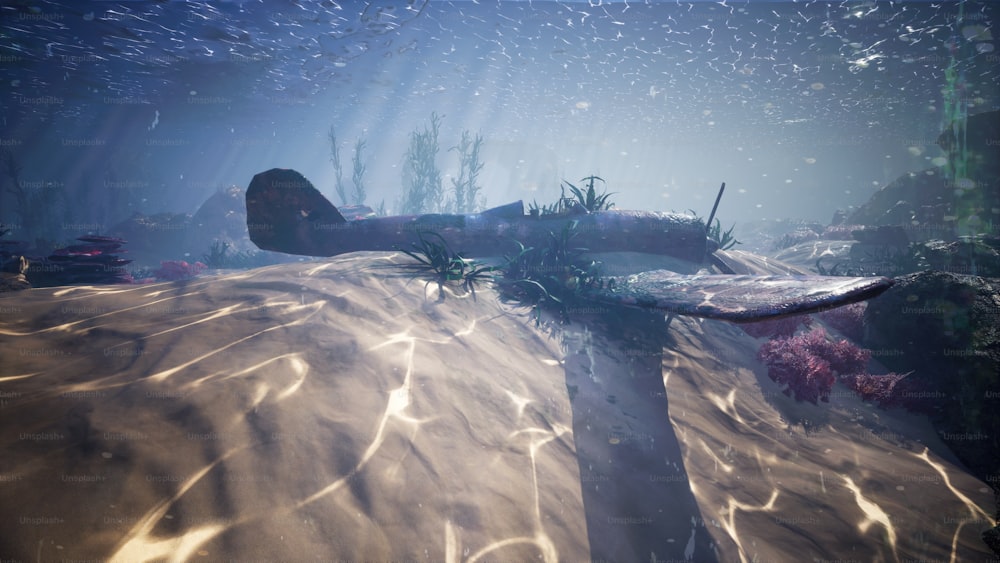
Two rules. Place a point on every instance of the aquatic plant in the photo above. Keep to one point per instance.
(554, 275)
(338, 167)
(358, 174)
(536, 210)
(725, 240)
(466, 187)
(421, 176)
(446, 265)
(219, 256)
(590, 199)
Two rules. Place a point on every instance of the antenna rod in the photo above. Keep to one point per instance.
(718, 198)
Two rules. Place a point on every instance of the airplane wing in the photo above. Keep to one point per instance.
(738, 298)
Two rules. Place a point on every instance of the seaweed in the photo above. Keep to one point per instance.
(590, 199)
(421, 177)
(465, 187)
(445, 265)
(338, 167)
(725, 240)
(358, 174)
(219, 257)
(555, 275)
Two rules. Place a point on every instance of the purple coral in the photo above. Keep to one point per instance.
(881, 389)
(791, 362)
(849, 319)
(805, 363)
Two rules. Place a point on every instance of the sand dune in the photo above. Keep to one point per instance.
(337, 410)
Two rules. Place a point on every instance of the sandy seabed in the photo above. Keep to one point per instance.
(339, 411)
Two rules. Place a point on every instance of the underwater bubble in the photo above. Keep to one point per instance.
(583, 104)
(915, 151)
(939, 161)
(809, 160)
(817, 86)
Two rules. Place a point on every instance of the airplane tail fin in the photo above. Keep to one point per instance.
(285, 213)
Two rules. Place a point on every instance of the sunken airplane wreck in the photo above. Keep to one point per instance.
(285, 213)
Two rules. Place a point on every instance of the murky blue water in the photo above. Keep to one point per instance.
(803, 107)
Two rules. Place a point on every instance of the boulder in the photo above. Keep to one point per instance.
(153, 238)
(945, 328)
(961, 197)
(221, 219)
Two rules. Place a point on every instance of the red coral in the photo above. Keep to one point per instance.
(171, 270)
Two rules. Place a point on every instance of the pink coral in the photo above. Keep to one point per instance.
(171, 270)
(881, 389)
(790, 362)
(806, 363)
